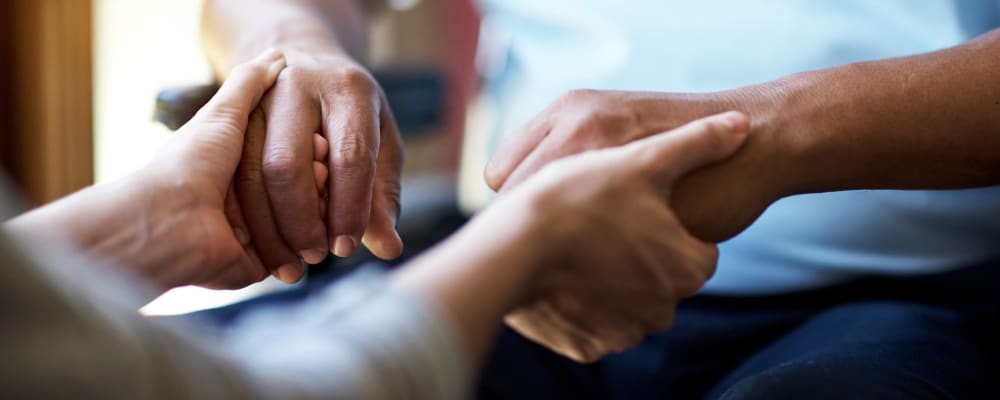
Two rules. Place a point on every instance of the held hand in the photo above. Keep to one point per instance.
(191, 211)
(713, 203)
(327, 118)
(619, 260)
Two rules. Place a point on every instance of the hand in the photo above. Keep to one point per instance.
(714, 203)
(324, 112)
(618, 260)
(191, 218)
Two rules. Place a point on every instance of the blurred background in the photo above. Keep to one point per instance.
(82, 90)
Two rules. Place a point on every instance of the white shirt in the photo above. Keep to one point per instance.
(533, 51)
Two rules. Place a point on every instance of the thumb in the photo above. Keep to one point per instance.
(218, 129)
(242, 91)
(674, 153)
(219, 126)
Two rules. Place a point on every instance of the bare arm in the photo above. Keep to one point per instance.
(926, 122)
(929, 121)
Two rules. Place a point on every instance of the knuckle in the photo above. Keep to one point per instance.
(348, 152)
(589, 123)
(576, 94)
(357, 80)
(279, 168)
(292, 75)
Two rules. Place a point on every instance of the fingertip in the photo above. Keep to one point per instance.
(344, 245)
(493, 178)
(387, 247)
(273, 60)
(290, 273)
(314, 256)
(735, 122)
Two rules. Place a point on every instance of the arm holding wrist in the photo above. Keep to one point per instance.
(928, 122)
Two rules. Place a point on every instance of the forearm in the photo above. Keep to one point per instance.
(481, 274)
(236, 30)
(114, 222)
(924, 122)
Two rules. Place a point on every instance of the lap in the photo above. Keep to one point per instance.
(881, 338)
(873, 350)
(856, 341)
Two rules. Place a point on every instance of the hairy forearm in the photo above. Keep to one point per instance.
(924, 122)
(234, 31)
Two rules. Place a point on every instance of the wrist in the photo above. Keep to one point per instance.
(767, 159)
(517, 236)
(300, 43)
(789, 124)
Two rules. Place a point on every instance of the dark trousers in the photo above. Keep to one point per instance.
(881, 338)
(878, 338)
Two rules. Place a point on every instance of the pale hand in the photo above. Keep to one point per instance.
(619, 260)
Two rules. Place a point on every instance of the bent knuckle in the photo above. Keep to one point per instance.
(357, 80)
(279, 168)
(349, 152)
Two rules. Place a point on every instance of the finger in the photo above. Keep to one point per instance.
(320, 175)
(515, 149)
(241, 93)
(253, 199)
(234, 215)
(238, 274)
(219, 127)
(381, 236)
(246, 268)
(321, 148)
(541, 324)
(292, 117)
(674, 153)
(546, 152)
(353, 131)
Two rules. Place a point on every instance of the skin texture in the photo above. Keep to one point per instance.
(923, 122)
(531, 257)
(175, 221)
(571, 272)
(324, 91)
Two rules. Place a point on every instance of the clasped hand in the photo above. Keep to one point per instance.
(619, 262)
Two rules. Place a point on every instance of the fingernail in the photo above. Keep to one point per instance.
(344, 246)
(736, 121)
(241, 236)
(271, 54)
(314, 256)
(289, 273)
